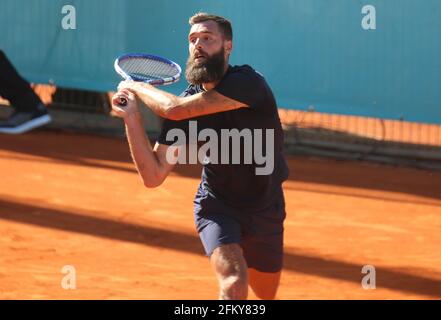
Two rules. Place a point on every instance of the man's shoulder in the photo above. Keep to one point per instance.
(246, 77)
(245, 69)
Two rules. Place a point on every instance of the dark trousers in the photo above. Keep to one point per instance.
(16, 89)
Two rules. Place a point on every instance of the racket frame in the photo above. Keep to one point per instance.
(154, 82)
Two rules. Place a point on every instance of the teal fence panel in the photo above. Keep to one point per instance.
(314, 53)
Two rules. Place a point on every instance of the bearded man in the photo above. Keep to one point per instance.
(238, 213)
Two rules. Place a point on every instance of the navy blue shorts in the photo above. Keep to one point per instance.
(259, 233)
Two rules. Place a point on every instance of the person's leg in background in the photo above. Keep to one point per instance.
(29, 110)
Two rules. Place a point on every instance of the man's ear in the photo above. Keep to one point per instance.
(228, 46)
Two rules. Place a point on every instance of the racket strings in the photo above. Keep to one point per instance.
(146, 69)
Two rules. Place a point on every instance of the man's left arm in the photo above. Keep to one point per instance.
(169, 106)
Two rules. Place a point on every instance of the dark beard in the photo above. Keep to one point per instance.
(211, 70)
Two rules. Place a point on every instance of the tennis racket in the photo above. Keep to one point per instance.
(147, 68)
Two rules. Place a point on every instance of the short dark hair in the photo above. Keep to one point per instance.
(224, 24)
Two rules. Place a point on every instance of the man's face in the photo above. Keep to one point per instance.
(208, 53)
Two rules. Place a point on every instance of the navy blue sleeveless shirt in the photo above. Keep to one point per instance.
(237, 184)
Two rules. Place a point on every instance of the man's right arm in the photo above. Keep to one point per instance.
(151, 163)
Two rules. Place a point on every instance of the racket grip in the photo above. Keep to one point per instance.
(122, 102)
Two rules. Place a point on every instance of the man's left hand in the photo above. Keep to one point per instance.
(128, 85)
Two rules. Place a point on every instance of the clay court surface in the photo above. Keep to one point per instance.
(72, 199)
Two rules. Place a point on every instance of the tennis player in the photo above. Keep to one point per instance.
(238, 214)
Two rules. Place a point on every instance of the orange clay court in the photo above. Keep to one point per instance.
(72, 199)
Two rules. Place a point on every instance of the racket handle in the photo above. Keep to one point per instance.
(122, 102)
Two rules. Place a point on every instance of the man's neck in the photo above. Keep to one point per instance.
(210, 85)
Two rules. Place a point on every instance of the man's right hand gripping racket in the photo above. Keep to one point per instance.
(147, 68)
